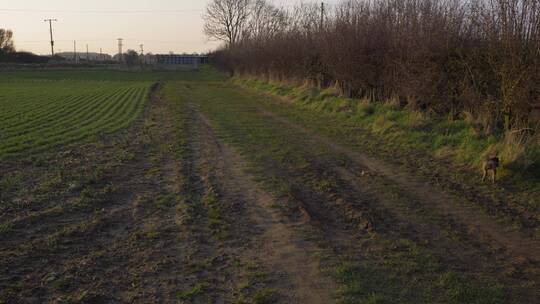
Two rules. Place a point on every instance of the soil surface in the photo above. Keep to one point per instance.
(190, 205)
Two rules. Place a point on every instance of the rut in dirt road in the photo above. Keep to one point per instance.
(292, 261)
(369, 226)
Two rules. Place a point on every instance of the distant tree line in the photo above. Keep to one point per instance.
(479, 58)
(9, 54)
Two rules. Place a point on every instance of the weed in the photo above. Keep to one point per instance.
(123, 156)
(382, 125)
(153, 172)
(61, 284)
(86, 198)
(52, 241)
(165, 202)
(324, 185)
(6, 227)
(365, 108)
(53, 182)
(149, 231)
(459, 290)
(190, 294)
(10, 182)
(264, 296)
(38, 161)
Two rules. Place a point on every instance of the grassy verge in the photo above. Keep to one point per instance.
(447, 153)
(461, 140)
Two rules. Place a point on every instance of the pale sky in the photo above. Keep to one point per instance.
(161, 25)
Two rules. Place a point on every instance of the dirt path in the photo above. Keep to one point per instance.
(276, 244)
(488, 228)
(361, 215)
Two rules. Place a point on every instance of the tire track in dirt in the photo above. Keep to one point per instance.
(363, 198)
(425, 247)
(453, 243)
(430, 197)
(276, 244)
(205, 257)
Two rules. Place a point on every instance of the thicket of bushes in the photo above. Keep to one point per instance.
(474, 59)
(22, 57)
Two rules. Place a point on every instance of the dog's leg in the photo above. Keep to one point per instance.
(484, 176)
(494, 174)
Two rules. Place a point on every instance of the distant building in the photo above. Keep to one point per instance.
(174, 61)
(82, 56)
(149, 59)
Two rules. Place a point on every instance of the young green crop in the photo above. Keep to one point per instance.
(37, 115)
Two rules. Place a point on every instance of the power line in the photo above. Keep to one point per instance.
(109, 39)
(135, 11)
(101, 11)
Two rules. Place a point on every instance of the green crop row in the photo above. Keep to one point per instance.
(36, 116)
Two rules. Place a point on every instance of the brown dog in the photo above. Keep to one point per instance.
(491, 164)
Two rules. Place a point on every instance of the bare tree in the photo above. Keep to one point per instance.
(226, 19)
(6, 42)
(265, 21)
(460, 57)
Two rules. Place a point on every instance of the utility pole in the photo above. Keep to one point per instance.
(322, 15)
(120, 40)
(51, 31)
(100, 54)
(143, 60)
(87, 54)
(75, 51)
